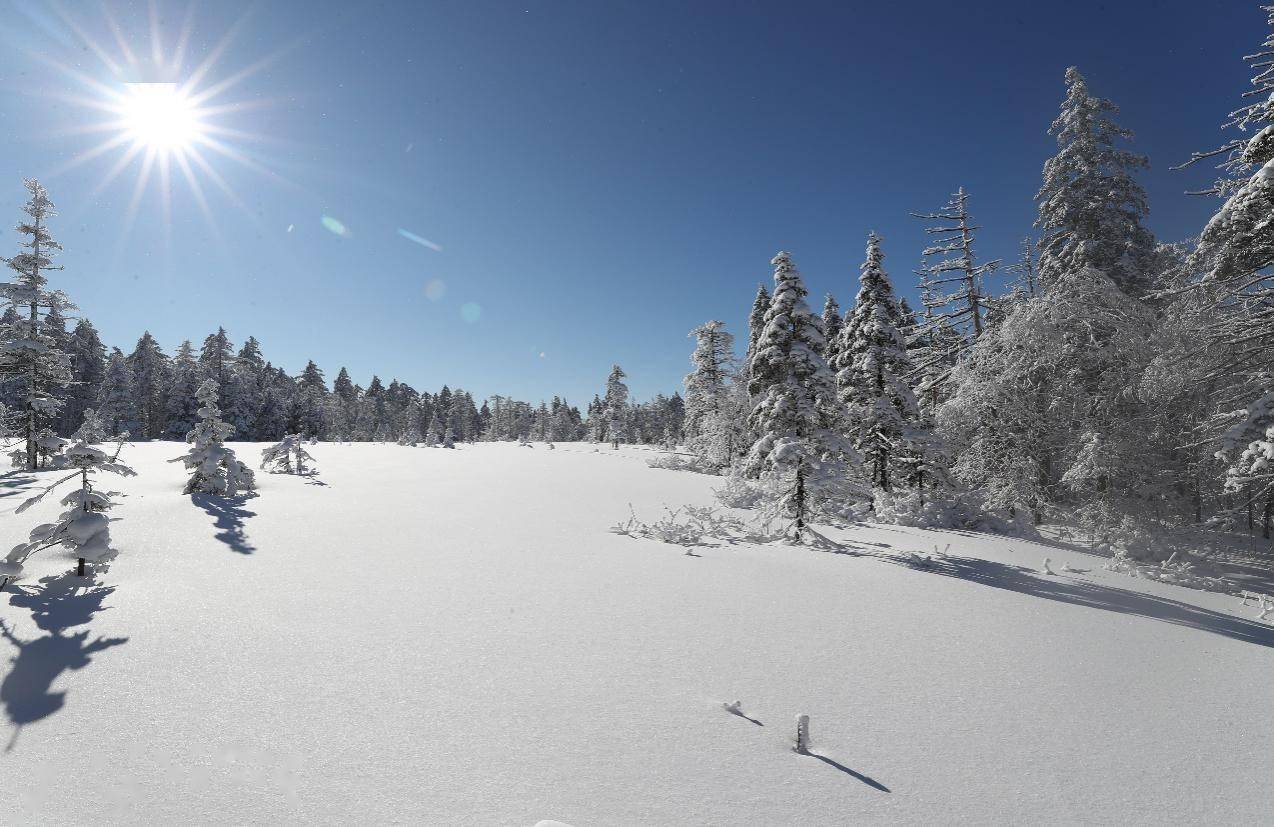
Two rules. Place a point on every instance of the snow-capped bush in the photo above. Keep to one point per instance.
(955, 511)
(1172, 570)
(92, 430)
(288, 456)
(678, 462)
(48, 446)
(83, 528)
(214, 469)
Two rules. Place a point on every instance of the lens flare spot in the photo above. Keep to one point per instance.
(470, 312)
(542, 356)
(335, 227)
(435, 289)
(423, 242)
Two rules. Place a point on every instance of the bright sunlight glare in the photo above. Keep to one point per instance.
(159, 116)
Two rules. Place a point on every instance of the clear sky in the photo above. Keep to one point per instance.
(593, 179)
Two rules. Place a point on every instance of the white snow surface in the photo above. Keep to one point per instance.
(437, 636)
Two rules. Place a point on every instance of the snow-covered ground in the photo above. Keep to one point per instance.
(427, 636)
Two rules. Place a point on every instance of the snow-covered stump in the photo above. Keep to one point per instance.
(802, 740)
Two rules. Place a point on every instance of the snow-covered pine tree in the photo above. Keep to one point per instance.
(181, 407)
(1090, 205)
(832, 324)
(213, 467)
(871, 373)
(83, 529)
(92, 429)
(88, 367)
(951, 269)
(216, 357)
(288, 456)
(117, 405)
(756, 324)
(28, 353)
(615, 403)
(1234, 254)
(796, 411)
(149, 367)
(715, 407)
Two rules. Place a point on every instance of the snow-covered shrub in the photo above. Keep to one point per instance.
(679, 462)
(48, 446)
(92, 430)
(740, 492)
(1172, 570)
(83, 528)
(288, 456)
(954, 511)
(214, 469)
(410, 437)
(694, 525)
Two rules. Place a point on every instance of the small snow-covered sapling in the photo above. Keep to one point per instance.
(287, 457)
(83, 528)
(802, 734)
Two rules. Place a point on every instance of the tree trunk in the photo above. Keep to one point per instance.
(79, 569)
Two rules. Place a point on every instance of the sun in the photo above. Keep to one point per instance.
(160, 117)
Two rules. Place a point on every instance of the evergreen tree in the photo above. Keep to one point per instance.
(214, 469)
(117, 405)
(1090, 205)
(832, 323)
(713, 420)
(871, 371)
(215, 358)
(149, 367)
(88, 366)
(28, 352)
(796, 412)
(614, 405)
(181, 408)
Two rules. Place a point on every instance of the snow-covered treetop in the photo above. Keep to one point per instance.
(1090, 206)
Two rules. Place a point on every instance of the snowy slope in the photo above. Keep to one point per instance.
(434, 636)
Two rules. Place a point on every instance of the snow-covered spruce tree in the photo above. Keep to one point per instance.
(288, 456)
(92, 429)
(214, 469)
(832, 324)
(181, 405)
(88, 366)
(149, 367)
(614, 406)
(1025, 271)
(1234, 254)
(215, 359)
(706, 384)
(1090, 205)
(28, 353)
(117, 404)
(83, 529)
(871, 374)
(756, 324)
(951, 270)
(796, 411)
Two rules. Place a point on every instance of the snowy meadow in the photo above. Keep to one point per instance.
(428, 636)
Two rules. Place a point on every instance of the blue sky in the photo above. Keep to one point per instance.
(600, 177)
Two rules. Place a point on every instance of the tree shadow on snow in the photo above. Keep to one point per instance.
(57, 604)
(228, 516)
(15, 482)
(870, 782)
(1108, 598)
